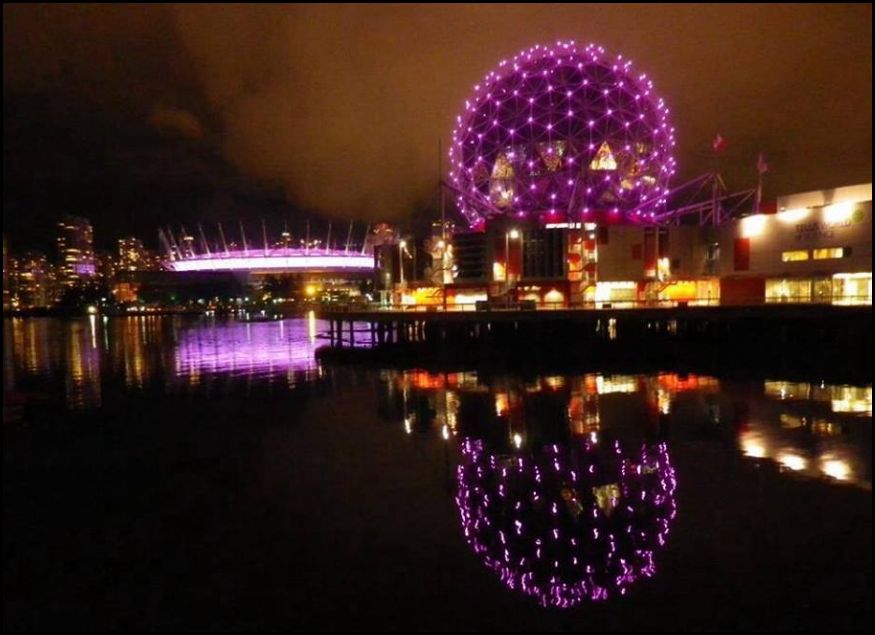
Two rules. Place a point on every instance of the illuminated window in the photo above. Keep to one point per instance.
(604, 159)
(618, 293)
(499, 273)
(554, 296)
(795, 256)
(503, 168)
(852, 288)
(829, 252)
(788, 290)
(821, 290)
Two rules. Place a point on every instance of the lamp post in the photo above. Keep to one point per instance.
(512, 234)
(442, 245)
(402, 245)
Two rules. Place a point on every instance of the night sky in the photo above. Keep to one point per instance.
(136, 116)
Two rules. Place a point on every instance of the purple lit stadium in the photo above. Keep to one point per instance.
(278, 260)
(565, 133)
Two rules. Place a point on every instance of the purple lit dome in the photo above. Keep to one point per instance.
(562, 132)
(568, 523)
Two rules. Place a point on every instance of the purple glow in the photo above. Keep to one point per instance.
(287, 259)
(532, 122)
(262, 348)
(567, 538)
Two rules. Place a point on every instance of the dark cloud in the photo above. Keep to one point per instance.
(343, 107)
(176, 121)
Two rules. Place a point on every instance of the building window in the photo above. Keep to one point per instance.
(616, 294)
(796, 256)
(828, 253)
(821, 290)
(788, 290)
(543, 254)
(603, 159)
(852, 288)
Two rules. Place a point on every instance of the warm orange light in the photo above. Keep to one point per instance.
(793, 215)
(753, 226)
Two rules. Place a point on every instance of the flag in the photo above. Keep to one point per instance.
(719, 143)
(762, 166)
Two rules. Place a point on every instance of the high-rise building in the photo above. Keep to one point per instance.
(76, 250)
(7, 294)
(131, 255)
(105, 264)
(31, 281)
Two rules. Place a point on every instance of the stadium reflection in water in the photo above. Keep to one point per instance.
(283, 347)
(143, 351)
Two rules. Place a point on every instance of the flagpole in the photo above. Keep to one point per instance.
(762, 168)
(759, 190)
(717, 145)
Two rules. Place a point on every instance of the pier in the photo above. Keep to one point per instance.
(835, 336)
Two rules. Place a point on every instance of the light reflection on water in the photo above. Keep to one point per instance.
(249, 348)
(142, 351)
(564, 484)
(814, 434)
(811, 428)
(569, 522)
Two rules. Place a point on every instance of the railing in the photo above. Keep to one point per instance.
(498, 306)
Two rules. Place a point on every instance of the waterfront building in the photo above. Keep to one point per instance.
(561, 164)
(816, 247)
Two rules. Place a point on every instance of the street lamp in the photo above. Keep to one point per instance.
(512, 234)
(402, 245)
(442, 246)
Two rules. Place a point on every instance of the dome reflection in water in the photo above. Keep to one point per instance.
(567, 522)
(559, 506)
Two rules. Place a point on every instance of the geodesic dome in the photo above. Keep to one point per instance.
(562, 132)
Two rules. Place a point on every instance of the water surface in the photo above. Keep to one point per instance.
(204, 473)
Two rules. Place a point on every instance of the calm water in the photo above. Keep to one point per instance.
(204, 473)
